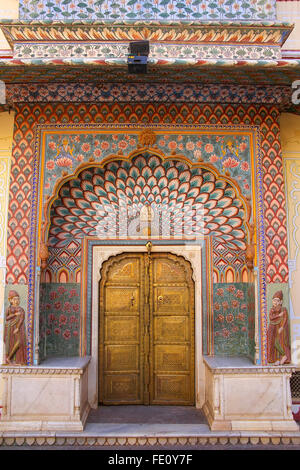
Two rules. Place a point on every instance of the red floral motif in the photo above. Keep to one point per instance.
(85, 147)
(122, 144)
(73, 293)
(245, 166)
(235, 303)
(53, 295)
(64, 162)
(97, 153)
(52, 145)
(229, 318)
(57, 305)
(213, 158)
(209, 148)
(63, 319)
(172, 145)
(230, 163)
(67, 334)
(57, 331)
(220, 318)
(217, 306)
(239, 294)
(225, 305)
(220, 292)
(67, 306)
(225, 333)
(243, 146)
(50, 165)
(104, 145)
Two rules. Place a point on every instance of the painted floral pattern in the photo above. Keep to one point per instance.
(145, 10)
(233, 310)
(230, 154)
(60, 319)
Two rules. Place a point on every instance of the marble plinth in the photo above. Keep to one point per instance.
(240, 396)
(51, 396)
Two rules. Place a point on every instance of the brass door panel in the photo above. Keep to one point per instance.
(120, 334)
(146, 330)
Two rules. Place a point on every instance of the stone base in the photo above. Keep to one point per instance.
(47, 397)
(240, 396)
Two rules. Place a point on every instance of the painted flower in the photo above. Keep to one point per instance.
(132, 142)
(162, 143)
(239, 294)
(243, 146)
(244, 328)
(235, 303)
(122, 144)
(57, 305)
(172, 145)
(199, 144)
(67, 307)
(96, 143)
(220, 292)
(72, 319)
(52, 145)
(220, 318)
(231, 289)
(213, 158)
(245, 166)
(53, 295)
(85, 147)
(217, 306)
(50, 165)
(63, 319)
(225, 333)
(75, 307)
(241, 316)
(225, 305)
(230, 163)
(235, 329)
(64, 162)
(190, 145)
(75, 333)
(229, 318)
(57, 331)
(97, 153)
(73, 293)
(61, 290)
(67, 334)
(209, 148)
(243, 306)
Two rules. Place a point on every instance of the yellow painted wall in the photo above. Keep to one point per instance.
(9, 10)
(6, 137)
(290, 12)
(290, 140)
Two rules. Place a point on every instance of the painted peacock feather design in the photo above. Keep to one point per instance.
(105, 202)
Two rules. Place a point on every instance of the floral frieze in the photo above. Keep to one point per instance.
(120, 50)
(144, 10)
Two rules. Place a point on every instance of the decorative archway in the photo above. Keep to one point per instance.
(95, 201)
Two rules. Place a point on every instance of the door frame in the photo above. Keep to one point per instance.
(191, 253)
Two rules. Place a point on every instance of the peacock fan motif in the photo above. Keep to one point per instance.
(127, 196)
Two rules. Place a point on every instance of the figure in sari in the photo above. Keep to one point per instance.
(279, 349)
(14, 333)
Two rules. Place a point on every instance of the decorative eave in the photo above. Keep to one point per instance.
(269, 33)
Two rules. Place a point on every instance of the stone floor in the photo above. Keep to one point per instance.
(147, 415)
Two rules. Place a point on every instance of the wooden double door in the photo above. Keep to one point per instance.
(146, 347)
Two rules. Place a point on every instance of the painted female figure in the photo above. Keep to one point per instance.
(14, 334)
(279, 351)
